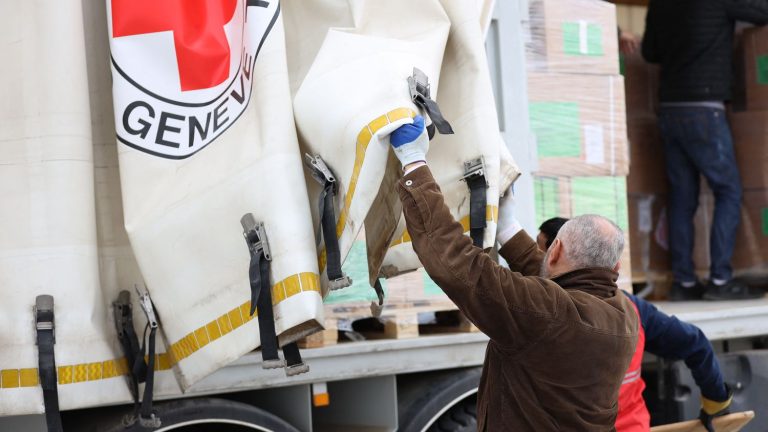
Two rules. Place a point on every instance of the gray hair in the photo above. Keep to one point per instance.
(592, 241)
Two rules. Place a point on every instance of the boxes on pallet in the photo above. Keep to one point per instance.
(573, 36)
(648, 170)
(573, 196)
(649, 230)
(752, 70)
(750, 137)
(580, 124)
(641, 86)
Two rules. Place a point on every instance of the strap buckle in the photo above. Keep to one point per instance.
(123, 313)
(44, 316)
(320, 170)
(473, 169)
(255, 235)
(419, 87)
(146, 305)
(339, 283)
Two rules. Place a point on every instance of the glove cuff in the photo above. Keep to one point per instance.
(714, 407)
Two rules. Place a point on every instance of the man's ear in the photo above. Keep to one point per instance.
(617, 267)
(555, 252)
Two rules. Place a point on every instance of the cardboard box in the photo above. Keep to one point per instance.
(580, 124)
(649, 228)
(573, 36)
(647, 169)
(574, 196)
(750, 140)
(641, 85)
(752, 70)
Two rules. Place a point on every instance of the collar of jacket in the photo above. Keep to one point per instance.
(599, 282)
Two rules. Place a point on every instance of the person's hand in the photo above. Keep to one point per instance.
(711, 409)
(410, 142)
(507, 226)
(628, 43)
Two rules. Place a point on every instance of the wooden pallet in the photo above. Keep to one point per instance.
(400, 323)
(729, 423)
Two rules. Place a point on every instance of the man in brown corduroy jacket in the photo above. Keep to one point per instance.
(561, 336)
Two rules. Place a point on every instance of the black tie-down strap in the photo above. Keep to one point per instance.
(419, 87)
(141, 370)
(323, 174)
(474, 175)
(261, 299)
(377, 308)
(46, 339)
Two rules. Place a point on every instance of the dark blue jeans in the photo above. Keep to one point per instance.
(698, 142)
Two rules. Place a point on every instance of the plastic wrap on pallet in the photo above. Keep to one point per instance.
(572, 36)
(576, 95)
(579, 122)
(568, 197)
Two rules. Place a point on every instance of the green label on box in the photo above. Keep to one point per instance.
(604, 196)
(583, 39)
(765, 221)
(556, 125)
(356, 267)
(430, 287)
(547, 199)
(762, 70)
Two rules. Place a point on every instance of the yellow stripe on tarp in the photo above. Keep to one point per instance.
(185, 347)
(363, 139)
(491, 215)
(239, 316)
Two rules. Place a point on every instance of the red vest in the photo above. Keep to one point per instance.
(633, 415)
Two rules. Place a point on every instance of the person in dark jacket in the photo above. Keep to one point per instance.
(669, 338)
(548, 231)
(560, 343)
(692, 40)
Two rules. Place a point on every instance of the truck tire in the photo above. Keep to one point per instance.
(201, 415)
(442, 401)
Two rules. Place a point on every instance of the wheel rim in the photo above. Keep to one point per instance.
(213, 421)
(447, 407)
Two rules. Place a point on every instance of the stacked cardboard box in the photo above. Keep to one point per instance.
(577, 112)
(647, 182)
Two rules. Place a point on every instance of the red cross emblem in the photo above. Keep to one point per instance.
(202, 49)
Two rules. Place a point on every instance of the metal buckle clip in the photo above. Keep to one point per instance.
(44, 305)
(255, 235)
(146, 305)
(337, 284)
(320, 170)
(474, 168)
(418, 85)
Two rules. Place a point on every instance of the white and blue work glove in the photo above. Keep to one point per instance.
(410, 142)
(507, 226)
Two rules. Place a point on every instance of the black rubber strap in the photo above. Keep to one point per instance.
(146, 400)
(262, 298)
(379, 291)
(129, 341)
(47, 370)
(433, 110)
(292, 354)
(328, 223)
(477, 209)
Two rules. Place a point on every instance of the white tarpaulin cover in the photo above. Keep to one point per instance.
(48, 243)
(466, 99)
(355, 91)
(205, 125)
